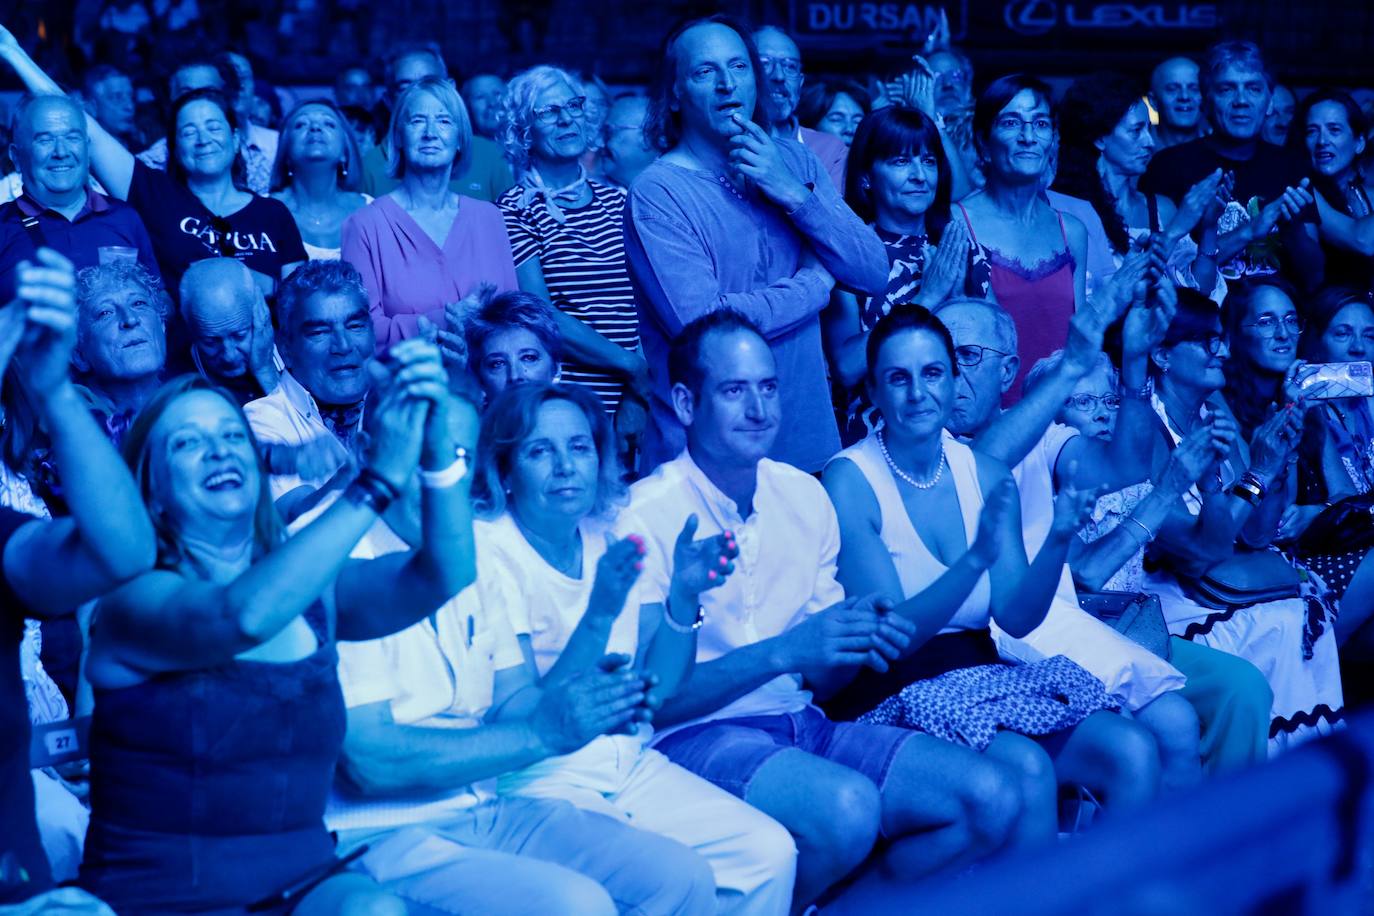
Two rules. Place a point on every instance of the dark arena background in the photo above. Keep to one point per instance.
(1290, 835)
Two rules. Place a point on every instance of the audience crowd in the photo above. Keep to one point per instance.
(750, 494)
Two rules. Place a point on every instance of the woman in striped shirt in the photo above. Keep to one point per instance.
(566, 235)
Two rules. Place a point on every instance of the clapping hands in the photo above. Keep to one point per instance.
(857, 631)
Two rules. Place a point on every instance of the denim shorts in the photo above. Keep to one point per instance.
(729, 752)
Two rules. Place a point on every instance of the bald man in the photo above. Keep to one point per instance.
(1176, 95)
(230, 328)
(57, 207)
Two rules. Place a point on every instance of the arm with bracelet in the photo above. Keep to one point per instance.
(669, 628)
(1094, 563)
(197, 613)
(383, 596)
(1198, 541)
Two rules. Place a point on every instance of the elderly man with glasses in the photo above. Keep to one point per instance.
(782, 80)
(1229, 695)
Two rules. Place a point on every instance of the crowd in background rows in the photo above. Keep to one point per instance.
(741, 495)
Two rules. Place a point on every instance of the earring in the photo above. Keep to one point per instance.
(864, 184)
(343, 169)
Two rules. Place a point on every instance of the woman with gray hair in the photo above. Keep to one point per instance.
(423, 247)
(566, 232)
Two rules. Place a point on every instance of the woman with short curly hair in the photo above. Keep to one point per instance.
(567, 237)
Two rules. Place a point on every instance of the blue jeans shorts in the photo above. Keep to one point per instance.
(729, 752)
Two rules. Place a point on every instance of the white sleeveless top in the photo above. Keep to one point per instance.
(917, 567)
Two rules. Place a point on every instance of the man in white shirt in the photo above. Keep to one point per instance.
(309, 424)
(1230, 696)
(416, 774)
(743, 719)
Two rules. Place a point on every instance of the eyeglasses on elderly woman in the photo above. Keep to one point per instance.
(551, 114)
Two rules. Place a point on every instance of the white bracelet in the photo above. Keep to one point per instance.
(684, 629)
(443, 479)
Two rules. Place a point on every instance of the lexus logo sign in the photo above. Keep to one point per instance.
(1031, 17)
(1036, 17)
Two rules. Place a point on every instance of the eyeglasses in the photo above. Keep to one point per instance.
(1087, 402)
(550, 114)
(790, 66)
(1268, 325)
(1212, 344)
(1014, 124)
(970, 355)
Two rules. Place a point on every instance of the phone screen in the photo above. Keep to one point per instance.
(1325, 381)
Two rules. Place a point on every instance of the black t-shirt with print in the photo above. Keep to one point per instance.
(262, 234)
(24, 869)
(1259, 181)
(1262, 177)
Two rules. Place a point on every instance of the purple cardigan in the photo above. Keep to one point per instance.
(407, 275)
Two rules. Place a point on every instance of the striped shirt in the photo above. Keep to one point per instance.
(584, 267)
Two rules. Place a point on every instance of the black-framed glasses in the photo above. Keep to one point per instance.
(1014, 124)
(550, 114)
(1268, 325)
(970, 355)
(1087, 402)
(790, 66)
(1212, 344)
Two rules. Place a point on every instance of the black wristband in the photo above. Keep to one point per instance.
(372, 490)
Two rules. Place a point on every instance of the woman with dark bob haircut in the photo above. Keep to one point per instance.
(1034, 257)
(219, 714)
(898, 181)
(1106, 144)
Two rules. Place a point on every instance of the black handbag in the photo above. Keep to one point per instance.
(1340, 528)
(1134, 615)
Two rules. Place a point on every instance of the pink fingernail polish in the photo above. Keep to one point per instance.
(711, 575)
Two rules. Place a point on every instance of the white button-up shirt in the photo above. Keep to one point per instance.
(287, 416)
(438, 673)
(785, 571)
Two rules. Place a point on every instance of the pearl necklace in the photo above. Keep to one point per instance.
(918, 484)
